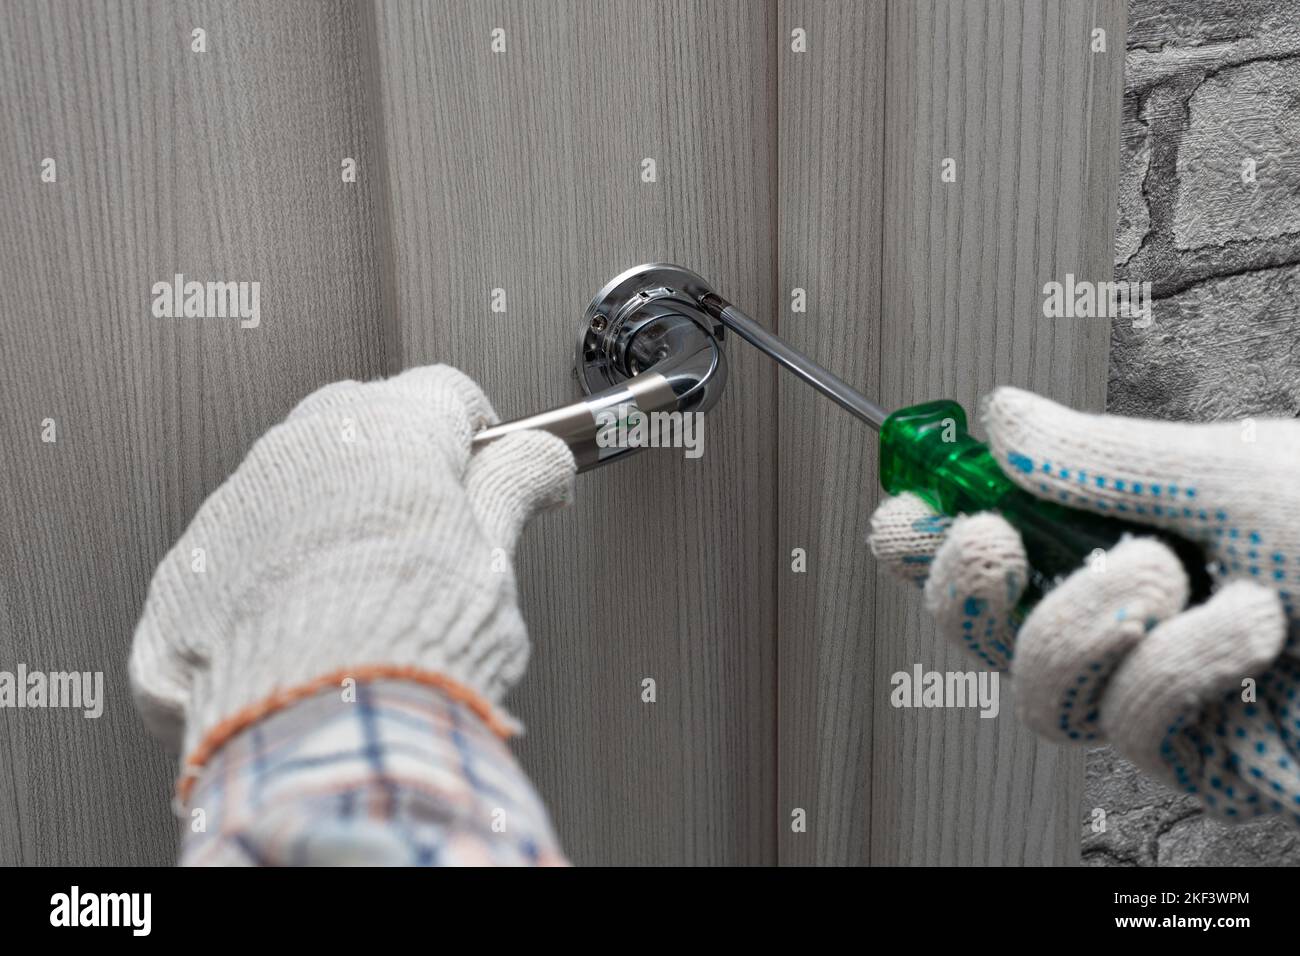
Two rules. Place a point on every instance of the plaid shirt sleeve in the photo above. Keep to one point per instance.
(400, 775)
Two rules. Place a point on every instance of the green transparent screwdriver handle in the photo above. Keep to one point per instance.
(925, 449)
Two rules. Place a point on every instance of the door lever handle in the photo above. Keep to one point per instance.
(644, 344)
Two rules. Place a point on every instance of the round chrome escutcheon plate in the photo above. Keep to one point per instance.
(621, 303)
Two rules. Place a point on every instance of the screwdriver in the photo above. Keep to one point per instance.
(927, 450)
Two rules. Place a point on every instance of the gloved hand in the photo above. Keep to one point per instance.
(1111, 653)
(360, 538)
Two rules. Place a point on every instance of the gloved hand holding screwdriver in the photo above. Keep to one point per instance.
(1205, 698)
(333, 677)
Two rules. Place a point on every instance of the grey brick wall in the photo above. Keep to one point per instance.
(1209, 84)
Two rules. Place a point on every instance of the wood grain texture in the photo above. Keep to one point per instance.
(520, 171)
(831, 189)
(221, 166)
(1012, 92)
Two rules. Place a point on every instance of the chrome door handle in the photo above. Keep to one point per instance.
(645, 343)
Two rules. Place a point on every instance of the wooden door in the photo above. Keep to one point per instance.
(501, 153)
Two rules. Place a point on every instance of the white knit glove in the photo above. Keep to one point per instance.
(359, 539)
(1205, 698)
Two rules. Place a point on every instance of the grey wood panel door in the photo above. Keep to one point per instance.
(917, 288)
(1013, 93)
(222, 165)
(522, 172)
(496, 191)
(831, 172)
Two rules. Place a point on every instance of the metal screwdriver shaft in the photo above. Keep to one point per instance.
(819, 377)
(926, 450)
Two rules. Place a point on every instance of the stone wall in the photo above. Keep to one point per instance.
(1209, 84)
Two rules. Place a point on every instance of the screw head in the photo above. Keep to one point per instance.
(599, 323)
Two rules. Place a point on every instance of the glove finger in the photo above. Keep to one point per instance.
(1184, 664)
(905, 534)
(1071, 644)
(160, 685)
(514, 478)
(433, 406)
(432, 384)
(1249, 743)
(976, 579)
(425, 382)
(1148, 471)
(329, 397)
